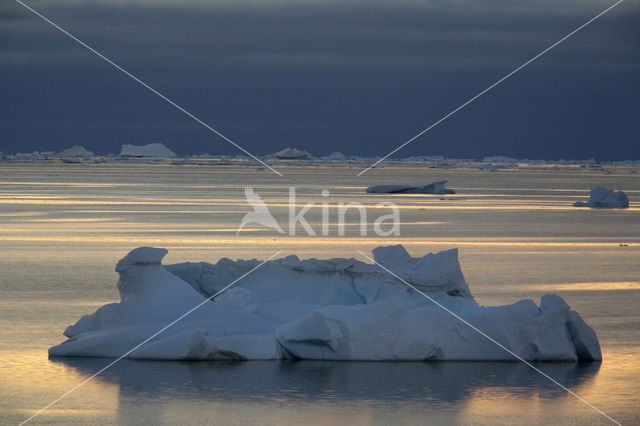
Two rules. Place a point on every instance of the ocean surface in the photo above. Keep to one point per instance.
(64, 227)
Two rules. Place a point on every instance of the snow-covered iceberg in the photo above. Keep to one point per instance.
(432, 188)
(602, 197)
(156, 150)
(336, 309)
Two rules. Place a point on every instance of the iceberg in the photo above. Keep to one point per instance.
(337, 156)
(432, 188)
(499, 159)
(291, 154)
(602, 197)
(156, 150)
(76, 151)
(335, 309)
(488, 166)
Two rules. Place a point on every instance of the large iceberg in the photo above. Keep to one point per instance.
(602, 197)
(156, 150)
(336, 309)
(431, 188)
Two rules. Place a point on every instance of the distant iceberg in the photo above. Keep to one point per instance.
(337, 156)
(602, 197)
(76, 151)
(488, 166)
(157, 150)
(291, 154)
(499, 159)
(336, 309)
(432, 188)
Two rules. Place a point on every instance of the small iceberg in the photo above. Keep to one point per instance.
(291, 154)
(156, 150)
(488, 166)
(76, 151)
(337, 157)
(432, 188)
(499, 159)
(335, 309)
(602, 197)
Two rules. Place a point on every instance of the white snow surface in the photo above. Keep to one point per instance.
(602, 197)
(335, 309)
(76, 151)
(156, 150)
(431, 188)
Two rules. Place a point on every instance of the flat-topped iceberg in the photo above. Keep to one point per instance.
(156, 150)
(602, 197)
(431, 188)
(335, 309)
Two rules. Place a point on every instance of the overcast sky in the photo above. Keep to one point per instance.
(358, 77)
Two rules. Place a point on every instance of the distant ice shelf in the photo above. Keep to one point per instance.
(335, 309)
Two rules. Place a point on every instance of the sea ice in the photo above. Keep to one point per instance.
(157, 150)
(335, 309)
(602, 197)
(432, 188)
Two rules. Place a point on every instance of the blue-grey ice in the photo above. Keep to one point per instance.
(602, 197)
(431, 188)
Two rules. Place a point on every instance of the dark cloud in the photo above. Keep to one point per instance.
(357, 77)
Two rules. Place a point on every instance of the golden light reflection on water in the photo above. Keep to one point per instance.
(277, 241)
(449, 206)
(592, 286)
(31, 382)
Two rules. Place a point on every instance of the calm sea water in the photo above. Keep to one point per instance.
(64, 226)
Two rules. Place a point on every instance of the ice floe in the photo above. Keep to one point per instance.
(431, 188)
(335, 309)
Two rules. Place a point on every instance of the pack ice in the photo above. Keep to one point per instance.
(335, 309)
